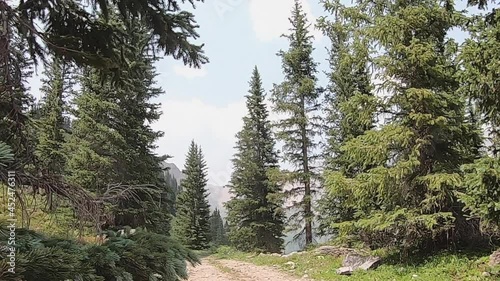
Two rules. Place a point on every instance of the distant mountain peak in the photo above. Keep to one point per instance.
(218, 194)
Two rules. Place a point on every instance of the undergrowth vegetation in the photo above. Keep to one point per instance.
(452, 266)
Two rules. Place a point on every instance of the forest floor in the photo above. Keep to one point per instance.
(230, 270)
(228, 264)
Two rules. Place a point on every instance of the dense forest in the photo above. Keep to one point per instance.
(399, 151)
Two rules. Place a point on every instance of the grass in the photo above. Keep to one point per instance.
(442, 267)
(60, 223)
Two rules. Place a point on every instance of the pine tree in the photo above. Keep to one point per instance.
(137, 113)
(112, 141)
(97, 149)
(16, 128)
(479, 77)
(191, 225)
(52, 122)
(217, 228)
(297, 97)
(350, 105)
(255, 209)
(57, 85)
(85, 32)
(407, 196)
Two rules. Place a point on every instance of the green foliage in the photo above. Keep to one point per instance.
(86, 33)
(141, 256)
(350, 104)
(52, 126)
(255, 215)
(297, 98)
(112, 141)
(191, 225)
(482, 193)
(408, 172)
(6, 154)
(15, 101)
(217, 231)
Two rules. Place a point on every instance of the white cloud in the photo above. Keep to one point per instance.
(212, 127)
(270, 18)
(188, 72)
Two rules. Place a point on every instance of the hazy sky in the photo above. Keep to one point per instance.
(207, 104)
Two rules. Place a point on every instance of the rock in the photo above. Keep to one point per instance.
(486, 274)
(275, 255)
(370, 263)
(291, 264)
(345, 270)
(355, 261)
(305, 276)
(495, 258)
(334, 251)
(321, 257)
(359, 261)
(414, 276)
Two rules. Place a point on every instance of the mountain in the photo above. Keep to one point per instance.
(218, 194)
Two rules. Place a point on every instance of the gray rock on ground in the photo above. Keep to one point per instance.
(354, 261)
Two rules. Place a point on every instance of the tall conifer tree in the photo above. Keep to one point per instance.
(406, 197)
(350, 104)
(255, 210)
(192, 222)
(297, 98)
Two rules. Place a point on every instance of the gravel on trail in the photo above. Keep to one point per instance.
(230, 270)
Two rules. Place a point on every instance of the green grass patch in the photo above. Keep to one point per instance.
(441, 267)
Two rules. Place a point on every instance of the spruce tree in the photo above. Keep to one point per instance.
(16, 128)
(297, 98)
(406, 197)
(255, 209)
(479, 77)
(85, 32)
(349, 106)
(191, 225)
(216, 228)
(57, 85)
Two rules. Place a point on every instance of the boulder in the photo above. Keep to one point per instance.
(354, 261)
(495, 258)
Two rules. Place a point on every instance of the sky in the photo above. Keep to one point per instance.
(207, 105)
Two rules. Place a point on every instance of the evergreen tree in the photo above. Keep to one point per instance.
(192, 222)
(137, 113)
(57, 85)
(479, 77)
(16, 129)
(407, 196)
(217, 228)
(255, 210)
(297, 98)
(86, 33)
(349, 105)
(112, 141)
(52, 122)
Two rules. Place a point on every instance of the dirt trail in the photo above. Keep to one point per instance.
(229, 270)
